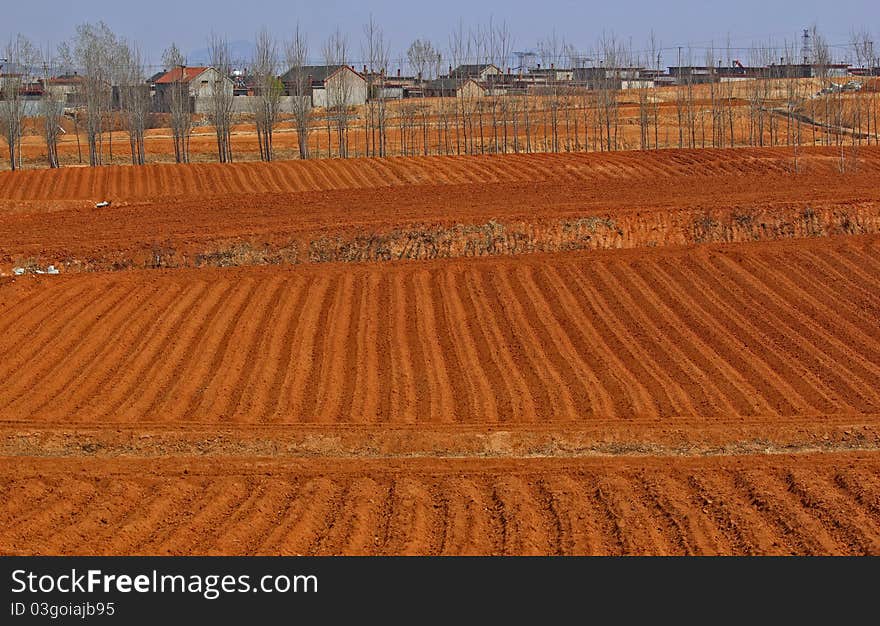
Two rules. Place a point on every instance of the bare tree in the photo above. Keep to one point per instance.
(498, 49)
(613, 57)
(422, 57)
(21, 58)
(728, 93)
(645, 103)
(551, 50)
(220, 109)
(655, 50)
(480, 44)
(714, 114)
(861, 45)
(268, 90)
(376, 54)
(300, 88)
(792, 85)
(179, 103)
(93, 51)
(833, 101)
(443, 121)
(460, 52)
(338, 92)
(52, 111)
(134, 99)
(757, 95)
(689, 108)
(821, 60)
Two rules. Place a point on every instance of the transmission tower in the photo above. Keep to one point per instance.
(806, 47)
(527, 59)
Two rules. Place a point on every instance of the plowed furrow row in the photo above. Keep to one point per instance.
(294, 525)
(722, 334)
(758, 335)
(631, 343)
(811, 346)
(708, 509)
(828, 323)
(268, 396)
(524, 345)
(239, 405)
(303, 357)
(679, 343)
(404, 398)
(146, 339)
(724, 353)
(161, 345)
(437, 356)
(193, 353)
(628, 394)
(462, 348)
(164, 180)
(837, 300)
(588, 394)
(506, 385)
(75, 367)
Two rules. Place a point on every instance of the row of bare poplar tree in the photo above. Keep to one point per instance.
(560, 116)
(103, 61)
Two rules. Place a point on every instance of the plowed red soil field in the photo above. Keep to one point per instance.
(363, 209)
(768, 329)
(210, 180)
(828, 504)
(677, 397)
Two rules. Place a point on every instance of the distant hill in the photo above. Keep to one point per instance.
(240, 51)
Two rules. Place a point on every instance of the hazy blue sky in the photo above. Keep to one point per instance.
(156, 23)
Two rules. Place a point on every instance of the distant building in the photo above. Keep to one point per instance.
(695, 74)
(478, 71)
(471, 89)
(807, 70)
(330, 85)
(548, 75)
(443, 87)
(392, 87)
(200, 83)
(602, 77)
(65, 89)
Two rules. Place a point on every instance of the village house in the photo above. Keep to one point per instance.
(549, 75)
(330, 85)
(200, 83)
(443, 87)
(479, 72)
(394, 86)
(470, 89)
(65, 89)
